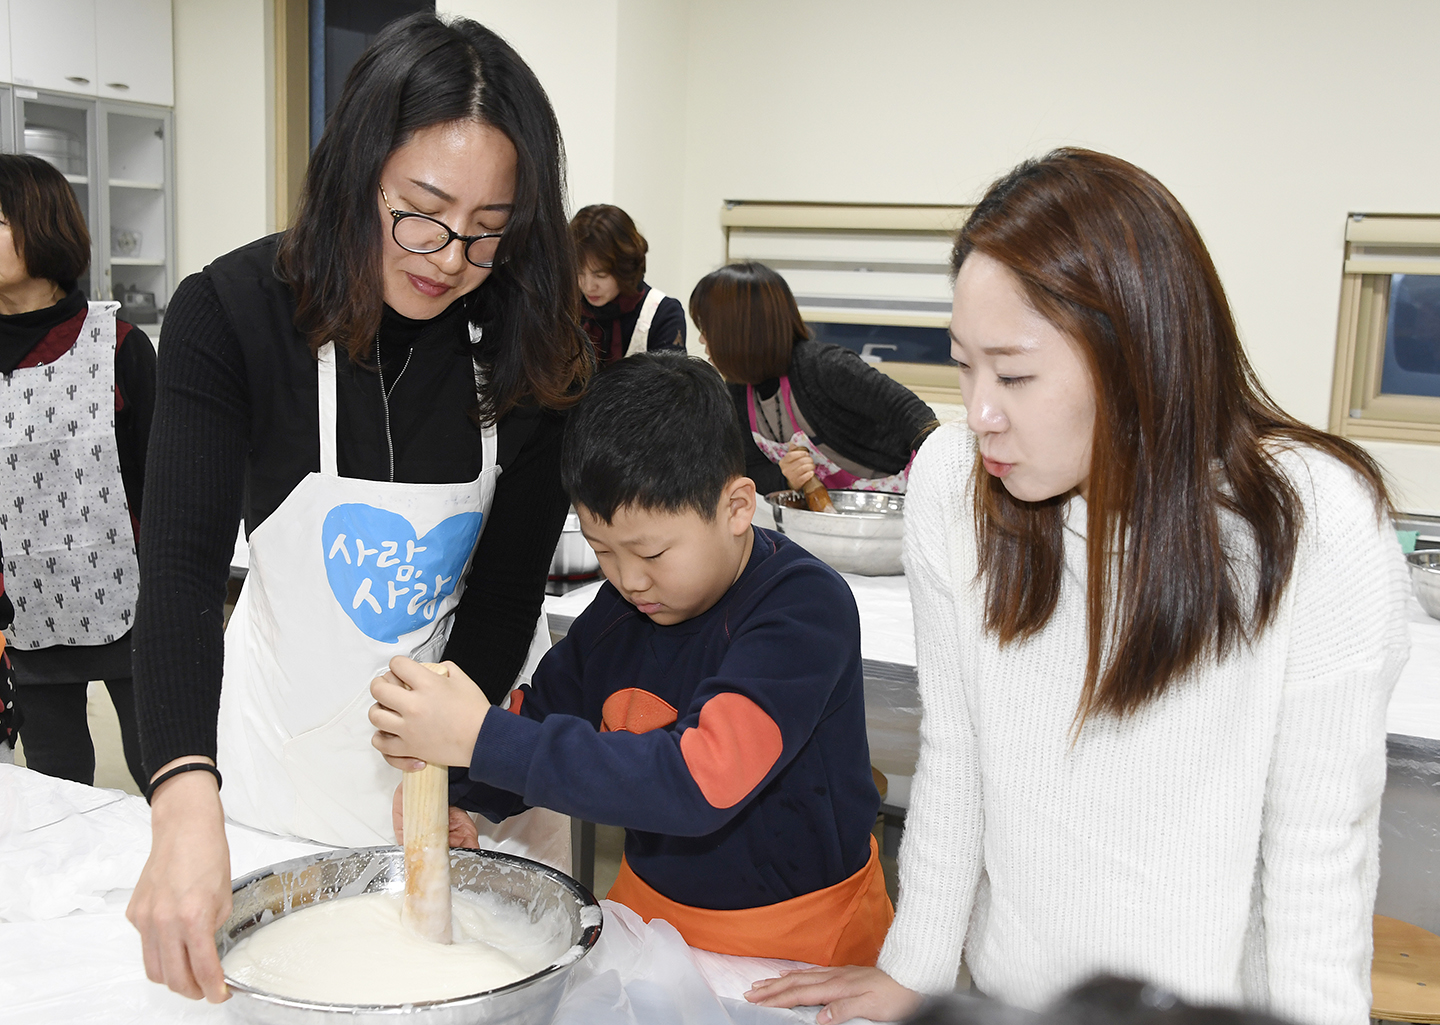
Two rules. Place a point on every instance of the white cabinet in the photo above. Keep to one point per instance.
(118, 49)
(133, 59)
(52, 45)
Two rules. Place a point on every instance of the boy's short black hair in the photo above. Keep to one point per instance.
(656, 431)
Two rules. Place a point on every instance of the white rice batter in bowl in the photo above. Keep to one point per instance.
(320, 938)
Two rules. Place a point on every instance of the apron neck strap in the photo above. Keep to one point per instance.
(325, 370)
(326, 373)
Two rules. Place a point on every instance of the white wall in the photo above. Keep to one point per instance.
(1251, 113)
(571, 46)
(615, 72)
(650, 99)
(224, 163)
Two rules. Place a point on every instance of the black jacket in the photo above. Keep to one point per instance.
(856, 410)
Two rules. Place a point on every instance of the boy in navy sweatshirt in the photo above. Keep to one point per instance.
(709, 700)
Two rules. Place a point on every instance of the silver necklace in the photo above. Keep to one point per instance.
(385, 398)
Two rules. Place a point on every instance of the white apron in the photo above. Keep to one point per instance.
(344, 575)
(65, 525)
(640, 338)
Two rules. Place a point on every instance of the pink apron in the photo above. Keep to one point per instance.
(830, 473)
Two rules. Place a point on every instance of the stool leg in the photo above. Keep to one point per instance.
(894, 829)
(582, 852)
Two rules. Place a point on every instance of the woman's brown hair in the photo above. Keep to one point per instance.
(750, 321)
(424, 71)
(44, 218)
(606, 238)
(1184, 432)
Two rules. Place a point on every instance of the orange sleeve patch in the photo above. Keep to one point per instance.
(633, 710)
(732, 749)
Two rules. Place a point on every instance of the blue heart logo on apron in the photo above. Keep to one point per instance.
(388, 581)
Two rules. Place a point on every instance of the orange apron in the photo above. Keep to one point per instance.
(841, 924)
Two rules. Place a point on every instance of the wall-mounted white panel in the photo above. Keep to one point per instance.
(52, 45)
(133, 53)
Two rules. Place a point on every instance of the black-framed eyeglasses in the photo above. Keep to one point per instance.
(421, 233)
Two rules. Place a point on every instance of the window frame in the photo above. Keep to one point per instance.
(884, 222)
(1377, 246)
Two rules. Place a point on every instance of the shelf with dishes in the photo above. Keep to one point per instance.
(117, 158)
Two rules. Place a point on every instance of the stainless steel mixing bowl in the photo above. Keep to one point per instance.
(1425, 572)
(574, 558)
(291, 885)
(864, 535)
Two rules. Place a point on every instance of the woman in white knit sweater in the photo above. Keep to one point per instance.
(1157, 624)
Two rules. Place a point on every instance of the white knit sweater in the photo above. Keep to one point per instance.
(1221, 842)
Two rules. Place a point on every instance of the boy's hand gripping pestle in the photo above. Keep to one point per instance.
(426, 811)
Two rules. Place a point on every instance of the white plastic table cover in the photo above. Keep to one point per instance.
(71, 854)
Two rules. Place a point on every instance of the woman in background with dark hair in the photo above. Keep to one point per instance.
(621, 313)
(76, 398)
(808, 408)
(354, 388)
(1158, 622)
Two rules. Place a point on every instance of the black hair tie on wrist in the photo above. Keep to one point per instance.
(187, 767)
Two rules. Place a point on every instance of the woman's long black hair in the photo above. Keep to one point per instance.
(423, 71)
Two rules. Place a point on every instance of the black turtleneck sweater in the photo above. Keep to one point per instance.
(42, 336)
(237, 428)
(611, 326)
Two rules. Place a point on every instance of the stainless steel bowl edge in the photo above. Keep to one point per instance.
(865, 535)
(1425, 575)
(291, 885)
(573, 555)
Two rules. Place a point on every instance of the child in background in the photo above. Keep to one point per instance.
(709, 700)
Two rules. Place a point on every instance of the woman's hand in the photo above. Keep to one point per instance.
(423, 715)
(847, 992)
(797, 466)
(184, 891)
(462, 827)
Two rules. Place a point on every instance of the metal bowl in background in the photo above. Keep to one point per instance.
(574, 558)
(1425, 572)
(64, 150)
(864, 535)
(289, 886)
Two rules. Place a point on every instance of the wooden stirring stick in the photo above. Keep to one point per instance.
(426, 813)
(817, 496)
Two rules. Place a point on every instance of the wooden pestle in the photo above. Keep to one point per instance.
(817, 496)
(426, 815)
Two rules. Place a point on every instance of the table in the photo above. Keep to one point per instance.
(70, 856)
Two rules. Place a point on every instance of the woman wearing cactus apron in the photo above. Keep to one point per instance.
(77, 387)
(378, 392)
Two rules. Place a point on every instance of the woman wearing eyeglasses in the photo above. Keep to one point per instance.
(378, 391)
